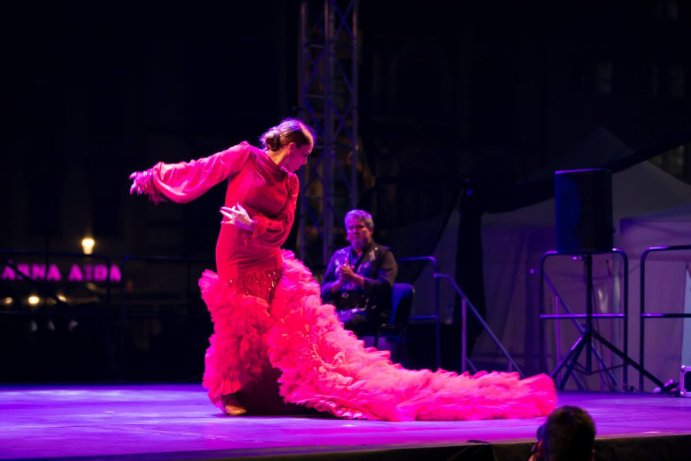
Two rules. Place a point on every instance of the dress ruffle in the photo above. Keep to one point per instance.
(325, 367)
(237, 352)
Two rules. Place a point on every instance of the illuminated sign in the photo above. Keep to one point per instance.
(52, 273)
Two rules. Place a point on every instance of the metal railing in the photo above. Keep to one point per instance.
(559, 301)
(653, 315)
(588, 334)
(466, 307)
(586, 331)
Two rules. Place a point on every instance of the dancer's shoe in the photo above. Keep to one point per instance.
(232, 406)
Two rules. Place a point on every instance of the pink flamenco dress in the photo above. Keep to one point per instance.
(269, 319)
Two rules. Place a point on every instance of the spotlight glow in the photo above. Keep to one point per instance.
(88, 244)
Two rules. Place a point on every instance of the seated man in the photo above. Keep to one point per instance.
(359, 277)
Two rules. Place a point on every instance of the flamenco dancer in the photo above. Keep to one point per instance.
(269, 320)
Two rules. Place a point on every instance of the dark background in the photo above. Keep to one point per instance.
(474, 100)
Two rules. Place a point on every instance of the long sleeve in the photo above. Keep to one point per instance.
(185, 181)
(274, 231)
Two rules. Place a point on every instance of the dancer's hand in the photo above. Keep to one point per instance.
(237, 216)
(140, 182)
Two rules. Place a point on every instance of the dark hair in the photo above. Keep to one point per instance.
(289, 130)
(567, 435)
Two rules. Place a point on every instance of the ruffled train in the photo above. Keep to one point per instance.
(325, 367)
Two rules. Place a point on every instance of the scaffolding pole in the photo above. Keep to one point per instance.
(328, 101)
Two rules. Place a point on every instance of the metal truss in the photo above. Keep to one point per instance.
(328, 99)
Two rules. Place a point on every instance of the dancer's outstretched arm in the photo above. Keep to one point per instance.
(185, 181)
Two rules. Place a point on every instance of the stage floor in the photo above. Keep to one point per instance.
(166, 422)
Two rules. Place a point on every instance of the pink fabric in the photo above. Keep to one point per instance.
(322, 365)
(237, 352)
(185, 181)
(326, 367)
(268, 193)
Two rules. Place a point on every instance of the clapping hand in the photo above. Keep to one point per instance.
(345, 272)
(237, 216)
